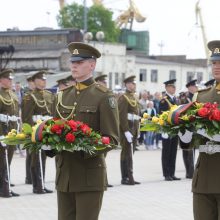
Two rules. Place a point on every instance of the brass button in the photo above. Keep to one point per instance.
(78, 92)
(75, 103)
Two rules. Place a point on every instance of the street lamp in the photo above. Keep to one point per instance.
(100, 36)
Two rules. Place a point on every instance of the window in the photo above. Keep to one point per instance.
(199, 77)
(172, 74)
(116, 79)
(154, 76)
(143, 75)
(190, 76)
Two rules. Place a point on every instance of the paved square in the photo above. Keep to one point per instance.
(153, 199)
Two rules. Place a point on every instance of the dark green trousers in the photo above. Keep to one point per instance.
(206, 206)
(79, 205)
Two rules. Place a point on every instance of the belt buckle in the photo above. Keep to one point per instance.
(210, 147)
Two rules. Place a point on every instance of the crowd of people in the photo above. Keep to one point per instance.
(81, 178)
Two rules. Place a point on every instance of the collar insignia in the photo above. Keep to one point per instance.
(216, 50)
(75, 52)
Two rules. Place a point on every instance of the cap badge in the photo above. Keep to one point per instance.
(75, 52)
(216, 50)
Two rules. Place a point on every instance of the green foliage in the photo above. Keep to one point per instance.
(98, 19)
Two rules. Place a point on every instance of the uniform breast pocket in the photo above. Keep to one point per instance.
(88, 114)
(65, 113)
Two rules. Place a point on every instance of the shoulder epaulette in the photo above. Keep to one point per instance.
(47, 91)
(67, 88)
(205, 89)
(101, 87)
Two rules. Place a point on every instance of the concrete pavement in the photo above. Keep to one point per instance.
(153, 199)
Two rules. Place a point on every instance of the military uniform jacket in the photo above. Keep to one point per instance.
(37, 102)
(8, 107)
(206, 177)
(96, 106)
(128, 104)
(165, 103)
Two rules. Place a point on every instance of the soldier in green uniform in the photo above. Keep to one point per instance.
(206, 178)
(29, 89)
(70, 80)
(9, 119)
(169, 144)
(101, 80)
(37, 105)
(188, 154)
(62, 84)
(80, 177)
(129, 128)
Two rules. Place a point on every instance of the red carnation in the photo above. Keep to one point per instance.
(56, 129)
(203, 112)
(73, 125)
(70, 138)
(105, 140)
(210, 105)
(85, 129)
(215, 115)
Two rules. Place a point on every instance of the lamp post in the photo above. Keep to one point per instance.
(85, 17)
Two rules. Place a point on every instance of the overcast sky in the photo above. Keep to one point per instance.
(171, 23)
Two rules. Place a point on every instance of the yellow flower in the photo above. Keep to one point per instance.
(21, 136)
(185, 118)
(11, 134)
(161, 122)
(145, 115)
(13, 131)
(173, 107)
(142, 120)
(164, 115)
(155, 119)
(39, 121)
(199, 105)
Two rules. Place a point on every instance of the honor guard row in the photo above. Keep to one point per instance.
(37, 105)
(9, 119)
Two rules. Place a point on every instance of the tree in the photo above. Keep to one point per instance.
(99, 19)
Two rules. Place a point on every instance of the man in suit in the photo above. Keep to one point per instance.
(37, 105)
(80, 177)
(169, 144)
(9, 119)
(129, 128)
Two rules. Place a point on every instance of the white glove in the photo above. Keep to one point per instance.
(128, 136)
(215, 137)
(46, 147)
(1, 142)
(186, 137)
(164, 135)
